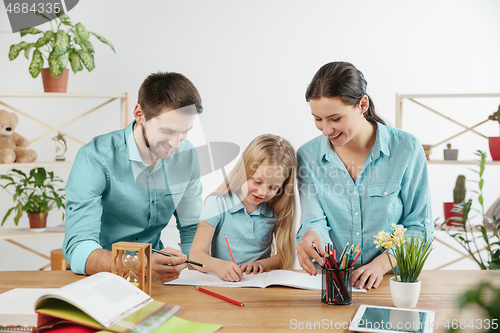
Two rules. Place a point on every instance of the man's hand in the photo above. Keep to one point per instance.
(305, 250)
(168, 268)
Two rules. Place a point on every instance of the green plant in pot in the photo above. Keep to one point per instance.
(34, 193)
(63, 43)
(450, 154)
(487, 234)
(458, 198)
(494, 141)
(411, 252)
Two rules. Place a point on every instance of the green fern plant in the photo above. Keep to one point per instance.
(64, 43)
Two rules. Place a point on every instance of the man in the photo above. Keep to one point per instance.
(127, 184)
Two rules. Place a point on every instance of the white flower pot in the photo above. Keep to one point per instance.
(405, 294)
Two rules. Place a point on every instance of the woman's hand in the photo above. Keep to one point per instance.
(228, 271)
(252, 267)
(305, 250)
(371, 275)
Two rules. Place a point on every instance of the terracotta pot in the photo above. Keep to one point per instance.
(53, 84)
(35, 222)
(495, 147)
(405, 294)
(447, 207)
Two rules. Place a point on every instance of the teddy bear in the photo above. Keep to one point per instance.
(12, 145)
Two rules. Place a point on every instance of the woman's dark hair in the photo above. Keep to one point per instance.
(168, 90)
(342, 79)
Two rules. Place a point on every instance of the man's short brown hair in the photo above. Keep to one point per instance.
(168, 90)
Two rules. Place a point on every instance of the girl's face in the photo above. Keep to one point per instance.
(262, 186)
(338, 121)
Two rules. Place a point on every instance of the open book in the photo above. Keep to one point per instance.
(262, 280)
(101, 301)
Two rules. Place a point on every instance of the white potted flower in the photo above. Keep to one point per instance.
(411, 251)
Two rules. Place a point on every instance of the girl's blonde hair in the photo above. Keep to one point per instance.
(275, 151)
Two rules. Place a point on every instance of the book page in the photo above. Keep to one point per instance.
(104, 296)
(196, 278)
(298, 280)
(16, 306)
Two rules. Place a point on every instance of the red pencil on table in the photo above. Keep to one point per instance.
(229, 247)
(220, 296)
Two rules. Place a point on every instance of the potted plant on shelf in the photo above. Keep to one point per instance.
(411, 251)
(34, 194)
(489, 231)
(449, 208)
(494, 141)
(450, 154)
(62, 44)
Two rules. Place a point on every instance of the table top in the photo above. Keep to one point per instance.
(281, 309)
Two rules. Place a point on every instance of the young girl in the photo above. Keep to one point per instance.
(254, 206)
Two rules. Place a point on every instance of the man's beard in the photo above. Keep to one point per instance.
(153, 150)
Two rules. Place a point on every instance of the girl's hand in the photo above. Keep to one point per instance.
(305, 250)
(368, 276)
(255, 267)
(228, 271)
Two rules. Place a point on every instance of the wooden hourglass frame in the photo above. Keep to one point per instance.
(144, 255)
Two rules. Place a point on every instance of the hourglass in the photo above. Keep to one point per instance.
(132, 261)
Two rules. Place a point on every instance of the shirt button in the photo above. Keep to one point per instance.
(357, 234)
(354, 192)
(385, 193)
(153, 202)
(356, 213)
(428, 221)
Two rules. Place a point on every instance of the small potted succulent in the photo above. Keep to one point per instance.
(62, 44)
(494, 141)
(458, 198)
(34, 194)
(450, 154)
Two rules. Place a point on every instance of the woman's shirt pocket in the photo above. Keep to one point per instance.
(384, 202)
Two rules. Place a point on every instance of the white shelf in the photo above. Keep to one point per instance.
(462, 162)
(37, 164)
(63, 95)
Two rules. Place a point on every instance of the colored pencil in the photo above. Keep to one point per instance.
(229, 247)
(171, 255)
(220, 296)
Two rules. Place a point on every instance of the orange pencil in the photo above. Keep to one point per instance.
(229, 247)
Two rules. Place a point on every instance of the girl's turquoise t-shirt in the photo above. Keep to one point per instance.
(250, 235)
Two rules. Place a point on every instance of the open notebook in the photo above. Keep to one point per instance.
(262, 280)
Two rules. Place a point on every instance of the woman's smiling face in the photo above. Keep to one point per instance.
(336, 120)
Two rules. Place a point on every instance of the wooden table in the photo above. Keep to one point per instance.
(280, 309)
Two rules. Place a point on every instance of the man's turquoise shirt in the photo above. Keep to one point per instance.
(391, 188)
(112, 196)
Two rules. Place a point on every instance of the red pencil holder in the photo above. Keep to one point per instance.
(336, 288)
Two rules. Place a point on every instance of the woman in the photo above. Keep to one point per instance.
(358, 178)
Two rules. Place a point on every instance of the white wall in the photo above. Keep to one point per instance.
(252, 61)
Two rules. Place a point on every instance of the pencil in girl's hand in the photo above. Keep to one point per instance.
(220, 296)
(171, 255)
(229, 247)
